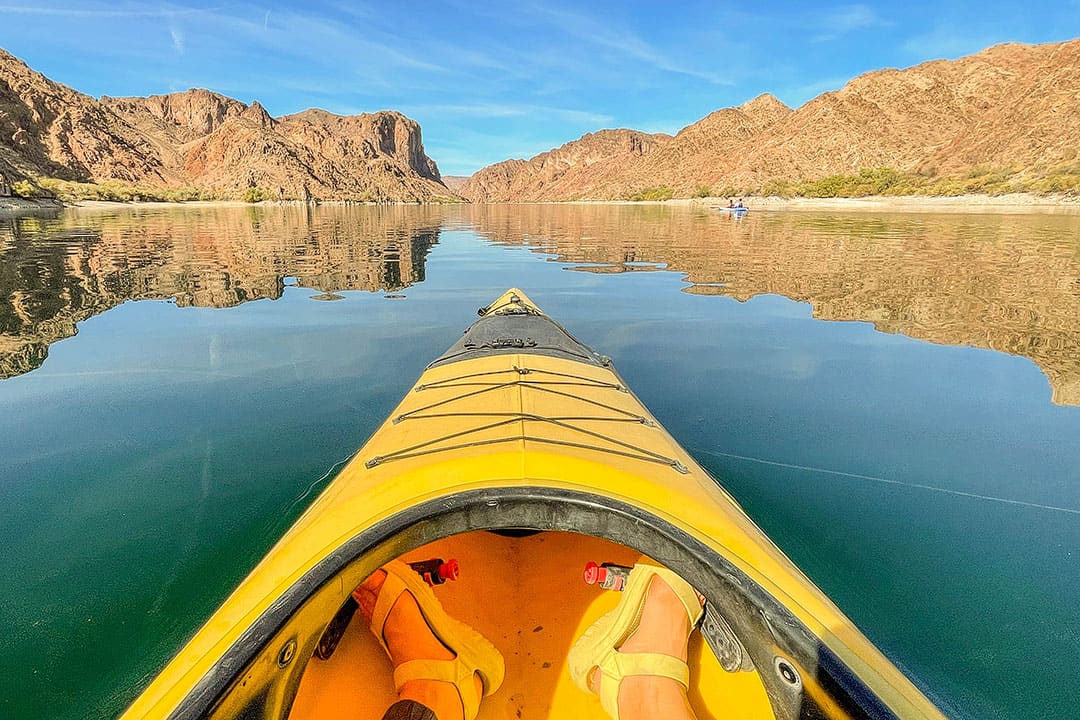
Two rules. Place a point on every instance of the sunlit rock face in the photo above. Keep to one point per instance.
(202, 139)
(1010, 106)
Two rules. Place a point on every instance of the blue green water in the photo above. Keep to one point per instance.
(895, 399)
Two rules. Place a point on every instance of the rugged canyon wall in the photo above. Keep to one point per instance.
(202, 139)
(1012, 105)
(566, 173)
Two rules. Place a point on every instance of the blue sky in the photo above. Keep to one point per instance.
(488, 81)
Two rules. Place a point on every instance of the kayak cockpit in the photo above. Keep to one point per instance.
(521, 585)
(526, 594)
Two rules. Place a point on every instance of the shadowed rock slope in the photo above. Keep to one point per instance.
(1009, 106)
(202, 139)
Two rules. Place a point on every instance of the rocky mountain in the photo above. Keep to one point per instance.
(47, 129)
(1011, 105)
(569, 172)
(454, 182)
(202, 139)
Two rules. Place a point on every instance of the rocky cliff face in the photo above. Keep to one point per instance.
(48, 129)
(179, 117)
(567, 172)
(1010, 105)
(202, 139)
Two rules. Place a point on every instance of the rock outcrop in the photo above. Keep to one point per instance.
(1009, 106)
(49, 129)
(202, 139)
(565, 173)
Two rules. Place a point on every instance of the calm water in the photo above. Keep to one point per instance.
(895, 399)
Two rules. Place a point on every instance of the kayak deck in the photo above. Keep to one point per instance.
(520, 427)
(526, 595)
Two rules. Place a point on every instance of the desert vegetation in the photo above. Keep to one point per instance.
(658, 192)
(1060, 179)
(71, 191)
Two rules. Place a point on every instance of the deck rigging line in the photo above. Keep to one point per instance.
(530, 385)
(449, 357)
(455, 381)
(503, 419)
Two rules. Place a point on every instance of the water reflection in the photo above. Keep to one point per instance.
(931, 492)
(57, 272)
(1006, 282)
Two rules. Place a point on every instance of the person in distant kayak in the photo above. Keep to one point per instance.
(740, 203)
(634, 657)
(731, 203)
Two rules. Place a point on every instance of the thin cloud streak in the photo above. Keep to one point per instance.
(177, 39)
(504, 111)
(848, 19)
(622, 41)
(84, 12)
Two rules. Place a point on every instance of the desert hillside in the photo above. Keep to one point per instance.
(1012, 110)
(200, 139)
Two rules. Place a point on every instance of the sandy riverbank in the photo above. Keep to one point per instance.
(1012, 203)
(113, 204)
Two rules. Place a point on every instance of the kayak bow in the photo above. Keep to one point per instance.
(522, 454)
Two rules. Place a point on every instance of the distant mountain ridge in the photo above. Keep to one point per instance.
(202, 139)
(1009, 105)
(1013, 107)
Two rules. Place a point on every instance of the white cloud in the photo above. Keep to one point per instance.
(177, 38)
(846, 19)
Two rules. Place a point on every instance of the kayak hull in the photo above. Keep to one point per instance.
(519, 428)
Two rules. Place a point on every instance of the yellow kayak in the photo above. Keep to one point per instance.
(521, 455)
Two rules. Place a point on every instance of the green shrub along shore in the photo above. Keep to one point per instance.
(69, 191)
(980, 180)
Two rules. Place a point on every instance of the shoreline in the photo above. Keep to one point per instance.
(18, 204)
(1013, 202)
(1010, 203)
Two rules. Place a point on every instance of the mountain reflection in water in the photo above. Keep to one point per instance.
(1006, 282)
(55, 273)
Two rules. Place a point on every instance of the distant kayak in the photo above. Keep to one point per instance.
(732, 210)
